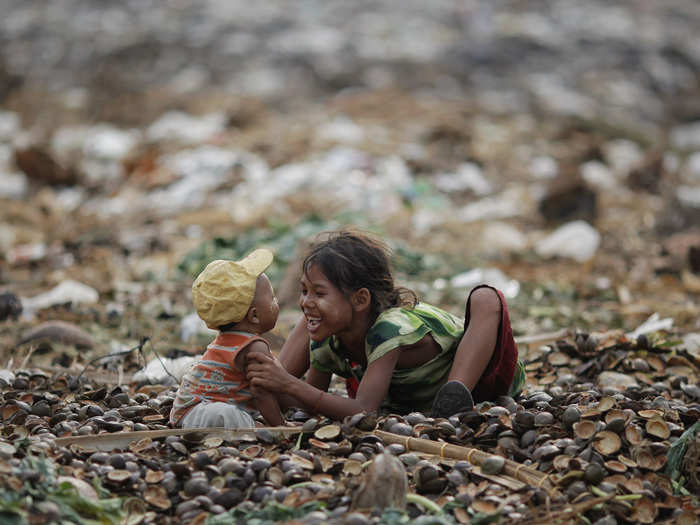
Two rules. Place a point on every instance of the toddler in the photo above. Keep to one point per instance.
(236, 298)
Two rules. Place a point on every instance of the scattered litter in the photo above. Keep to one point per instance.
(616, 380)
(544, 168)
(192, 326)
(68, 291)
(7, 376)
(622, 156)
(468, 176)
(13, 185)
(156, 371)
(109, 143)
(9, 125)
(510, 203)
(576, 240)
(597, 175)
(689, 196)
(501, 237)
(686, 136)
(341, 130)
(185, 128)
(652, 324)
(492, 276)
(22, 253)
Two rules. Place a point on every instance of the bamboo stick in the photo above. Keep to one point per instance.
(113, 440)
(474, 456)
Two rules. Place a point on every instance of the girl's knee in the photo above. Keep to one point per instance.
(484, 301)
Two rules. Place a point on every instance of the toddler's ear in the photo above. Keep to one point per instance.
(252, 315)
(361, 299)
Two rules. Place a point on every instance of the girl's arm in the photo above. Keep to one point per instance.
(265, 401)
(267, 374)
(294, 354)
(316, 378)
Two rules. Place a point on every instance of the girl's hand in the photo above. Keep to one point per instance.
(266, 372)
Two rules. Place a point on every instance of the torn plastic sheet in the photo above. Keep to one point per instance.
(653, 324)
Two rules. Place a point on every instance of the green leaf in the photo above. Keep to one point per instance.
(482, 519)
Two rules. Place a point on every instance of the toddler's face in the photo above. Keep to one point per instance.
(265, 303)
(326, 308)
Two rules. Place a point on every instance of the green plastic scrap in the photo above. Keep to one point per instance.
(677, 450)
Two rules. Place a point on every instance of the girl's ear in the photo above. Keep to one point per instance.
(361, 299)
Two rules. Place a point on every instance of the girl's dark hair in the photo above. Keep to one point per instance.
(351, 260)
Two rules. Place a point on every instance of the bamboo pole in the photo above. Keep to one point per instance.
(113, 440)
(474, 456)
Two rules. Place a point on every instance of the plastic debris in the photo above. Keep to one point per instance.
(500, 237)
(468, 176)
(686, 137)
(544, 168)
(109, 143)
(13, 185)
(491, 276)
(689, 196)
(653, 324)
(66, 292)
(7, 376)
(9, 125)
(510, 203)
(185, 128)
(156, 371)
(622, 156)
(616, 380)
(192, 326)
(598, 175)
(576, 240)
(341, 130)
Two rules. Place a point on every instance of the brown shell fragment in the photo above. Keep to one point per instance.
(157, 496)
(154, 476)
(585, 429)
(252, 451)
(615, 466)
(657, 427)
(606, 403)
(633, 434)
(327, 432)
(645, 511)
(317, 443)
(118, 476)
(607, 443)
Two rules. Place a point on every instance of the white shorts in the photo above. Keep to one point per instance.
(205, 414)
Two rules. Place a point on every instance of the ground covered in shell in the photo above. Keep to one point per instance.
(551, 149)
(606, 452)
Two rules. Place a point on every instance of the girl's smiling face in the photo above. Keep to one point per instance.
(327, 309)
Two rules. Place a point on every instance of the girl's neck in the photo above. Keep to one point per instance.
(354, 338)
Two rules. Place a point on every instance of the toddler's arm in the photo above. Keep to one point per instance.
(265, 401)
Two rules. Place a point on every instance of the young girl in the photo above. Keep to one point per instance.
(396, 353)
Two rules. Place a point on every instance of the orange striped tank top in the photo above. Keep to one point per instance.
(215, 376)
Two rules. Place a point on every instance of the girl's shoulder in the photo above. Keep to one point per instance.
(398, 321)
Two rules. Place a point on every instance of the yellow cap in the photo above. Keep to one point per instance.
(224, 291)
